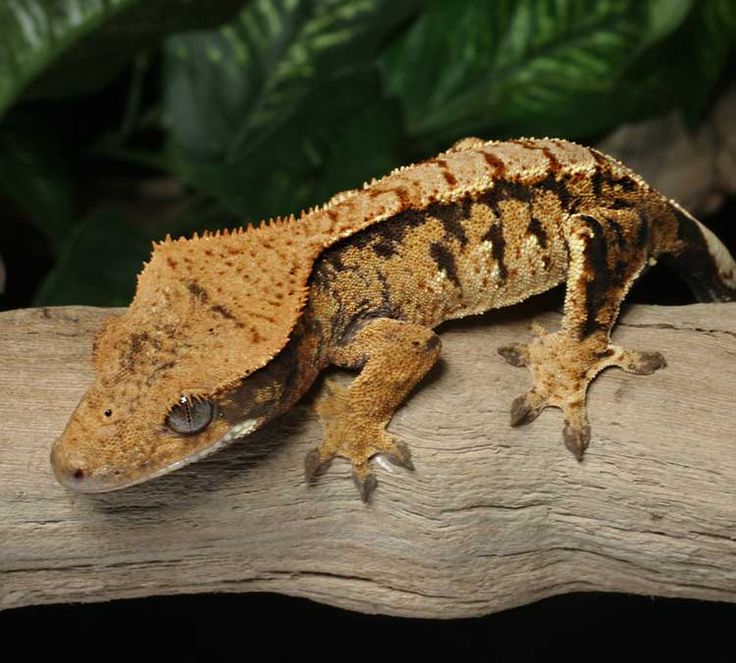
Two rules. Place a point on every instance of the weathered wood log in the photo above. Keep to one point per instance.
(492, 517)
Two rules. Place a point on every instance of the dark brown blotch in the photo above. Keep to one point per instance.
(223, 311)
(596, 182)
(334, 259)
(445, 170)
(599, 283)
(138, 341)
(466, 205)
(197, 291)
(445, 260)
(622, 203)
(227, 314)
(450, 215)
(494, 235)
(536, 228)
(403, 195)
(627, 183)
(554, 163)
(504, 190)
(499, 167)
(559, 188)
(385, 248)
(384, 239)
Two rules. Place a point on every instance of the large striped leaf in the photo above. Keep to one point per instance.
(531, 66)
(63, 47)
(681, 71)
(256, 109)
(305, 158)
(227, 89)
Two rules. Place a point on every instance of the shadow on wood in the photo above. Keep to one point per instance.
(492, 517)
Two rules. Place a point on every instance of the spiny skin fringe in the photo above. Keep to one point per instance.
(343, 196)
(204, 319)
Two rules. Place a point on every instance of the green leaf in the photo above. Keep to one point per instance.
(665, 16)
(307, 158)
(225, 90)
(65, 47)
(681, 72)
(258, 110)
(98, 263)
(532, 66)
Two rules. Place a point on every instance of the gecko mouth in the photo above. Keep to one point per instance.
(71, 472)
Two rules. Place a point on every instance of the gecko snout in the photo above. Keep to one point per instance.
(73, 472)
(69, 473)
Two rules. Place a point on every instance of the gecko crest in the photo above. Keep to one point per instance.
(228, 330)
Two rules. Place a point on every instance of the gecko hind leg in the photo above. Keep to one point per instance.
(608, 249)
(394, 356)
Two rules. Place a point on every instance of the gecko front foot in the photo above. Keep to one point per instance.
(562, 367)
(355, 435)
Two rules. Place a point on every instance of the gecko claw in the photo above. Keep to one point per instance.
(365, 482)
(643, 363)
(314, 465)
(516, 354)
(526, 408)
(576, 439)
(399, 454)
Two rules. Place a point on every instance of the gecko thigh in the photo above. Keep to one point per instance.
(607, 251)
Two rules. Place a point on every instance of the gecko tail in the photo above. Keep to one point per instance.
(703, 261)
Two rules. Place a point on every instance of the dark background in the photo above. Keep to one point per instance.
(126, 120)
(589, 627)
(174, 117)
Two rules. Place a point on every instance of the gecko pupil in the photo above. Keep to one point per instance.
(190, 415)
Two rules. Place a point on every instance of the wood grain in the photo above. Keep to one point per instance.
(493, 517)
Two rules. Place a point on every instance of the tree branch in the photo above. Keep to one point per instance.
(492, 517)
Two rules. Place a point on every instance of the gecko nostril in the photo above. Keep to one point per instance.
(78, 474)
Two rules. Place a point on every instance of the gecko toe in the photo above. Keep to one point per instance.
(644, 363)
(516, 354)
(526, 408)
(315, 464)
(577, 439)
(365, 481)
(399, 454)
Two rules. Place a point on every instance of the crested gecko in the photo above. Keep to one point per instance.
(229, 329)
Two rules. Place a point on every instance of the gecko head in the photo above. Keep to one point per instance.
(188, 368)
(105, 448)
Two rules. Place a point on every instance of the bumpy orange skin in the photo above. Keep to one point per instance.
(246, 320)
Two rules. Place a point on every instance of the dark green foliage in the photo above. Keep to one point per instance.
(98, 263)
(291, 101)
(63, 47)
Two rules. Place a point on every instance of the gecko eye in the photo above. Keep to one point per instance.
(190, 415)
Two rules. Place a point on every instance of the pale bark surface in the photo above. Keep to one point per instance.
(492, 517)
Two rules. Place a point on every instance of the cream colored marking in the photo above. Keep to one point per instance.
(725, 263)
(439, 283)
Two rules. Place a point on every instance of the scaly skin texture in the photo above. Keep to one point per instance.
(227, 331)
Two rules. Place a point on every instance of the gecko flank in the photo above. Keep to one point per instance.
(229, 330)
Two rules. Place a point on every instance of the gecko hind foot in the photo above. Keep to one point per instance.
(353, 436)
(562, 369)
